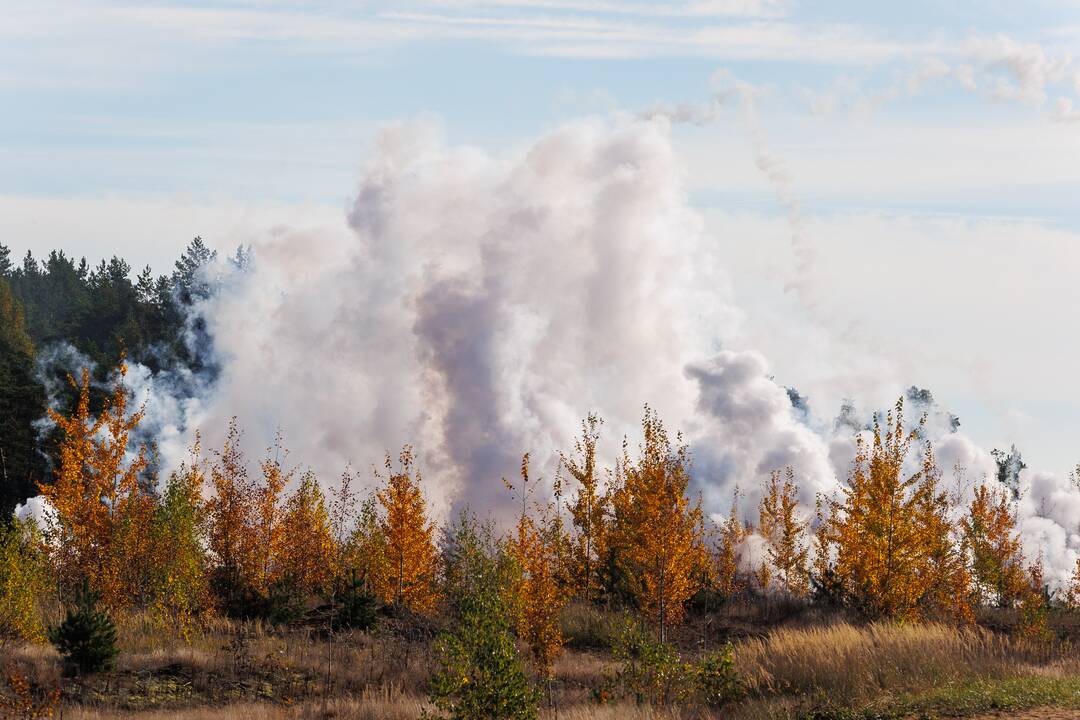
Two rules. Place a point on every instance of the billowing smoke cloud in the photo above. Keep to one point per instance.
(479, 306)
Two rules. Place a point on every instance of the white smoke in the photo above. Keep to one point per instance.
(479, 306)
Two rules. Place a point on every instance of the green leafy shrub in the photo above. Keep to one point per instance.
(87, 637)
(716, 681)
(652, 672)
(480, 674)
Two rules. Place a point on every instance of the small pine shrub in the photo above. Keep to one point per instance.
(355, 607)
(480, 675)
(281, 604)
(87, 637)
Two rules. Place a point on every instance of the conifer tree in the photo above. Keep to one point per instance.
(22, 402)
(87, 637)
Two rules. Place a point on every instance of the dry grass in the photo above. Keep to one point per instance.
(851, 664)
(227, 670)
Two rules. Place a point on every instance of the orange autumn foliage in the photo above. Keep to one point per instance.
(589, 512)
(890, 532)
(732, 532)
(271, 538)
(103, 515)
(411, 558)
(658, 531)
(538, 596)
(306, 559)
(232, 538)
(992, 543)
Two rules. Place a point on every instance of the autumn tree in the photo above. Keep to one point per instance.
(24, 580)
(783, 531)
(889, 531)
(731, 535)
(657, 529)
(365, 555)
(539, 598)
(307, 559)
(231, 514)
(270, 536)
(180, 576)
(992, 544)
(102, 520)
(1034, 604)
(410, 549)
(589, 511)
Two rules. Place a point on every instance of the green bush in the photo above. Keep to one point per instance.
(87, 637)
(280, 604)
(355, 607)
(652, 672)
(715, 679)
(480, 674)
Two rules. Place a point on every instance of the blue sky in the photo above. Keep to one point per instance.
(932, 147)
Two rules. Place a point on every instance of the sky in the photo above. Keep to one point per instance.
(890, 187)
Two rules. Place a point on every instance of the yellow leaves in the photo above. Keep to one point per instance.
(992, 544)
(408, 577)
(589, 512)
(539, 596)
(658, 532)
(726, 563)
(102, 513)
(891, 534)
(307, 560)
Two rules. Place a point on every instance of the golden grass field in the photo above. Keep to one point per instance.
(801, 666)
